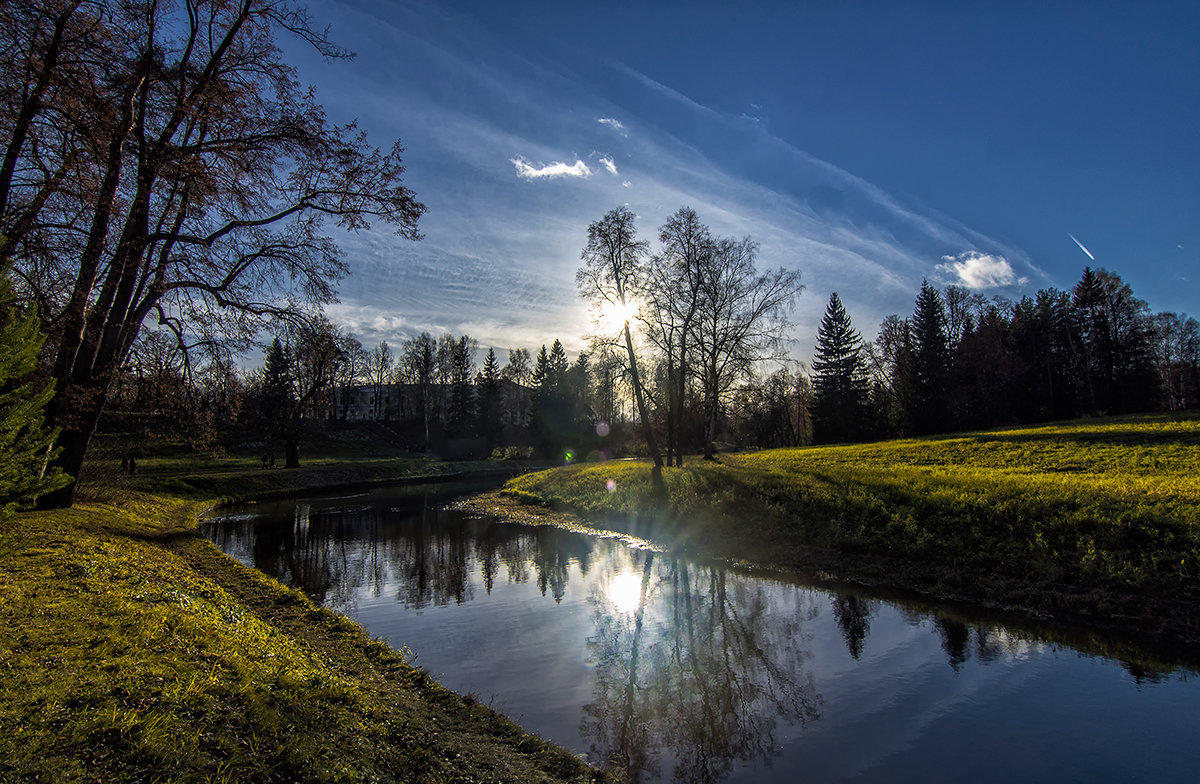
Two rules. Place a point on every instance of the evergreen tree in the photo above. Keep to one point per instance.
(541, 371)
(277, 401)
(461, 415)
(551, 417)
(1089, 323)
(578, 391)
(1045, 373)
(931, 364)
(558, 365)
(25, 439)
(278, 394)
(490, 399)
(839, 378)
(1114, 330)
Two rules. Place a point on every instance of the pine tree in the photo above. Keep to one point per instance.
(931, 364)
(541, 371)
(490, 400)
(558, 365)
(550, 414)
(461, 418)
(278, 394)
(839, 379)
(278, 400)
(25, 439)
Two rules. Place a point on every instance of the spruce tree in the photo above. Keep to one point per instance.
(558, 366)
(25, 439)
(490, 399)
(541, 371)
(551, 419)
(839, 378)
(461, 416)
(931, 364)
(277, 402)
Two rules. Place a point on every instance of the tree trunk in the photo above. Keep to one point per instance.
(85, 407)
(291, 452)
(681, 390)
(639, 397)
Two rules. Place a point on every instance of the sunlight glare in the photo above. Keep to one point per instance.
(625, 591)
(613, 315)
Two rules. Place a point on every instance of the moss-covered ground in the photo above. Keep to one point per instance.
(1093, 519)
(132, 650)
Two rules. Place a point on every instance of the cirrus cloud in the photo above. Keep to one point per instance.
(978, 271)
(615, 124)
(550, 171)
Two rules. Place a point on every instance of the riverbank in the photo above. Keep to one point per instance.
(133, 650)
(1096, 520)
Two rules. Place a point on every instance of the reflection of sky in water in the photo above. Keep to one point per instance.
(677, 667)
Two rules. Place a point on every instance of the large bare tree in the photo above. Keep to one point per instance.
(161, 161)
(611, 278)
(673, 298)
(740, 320)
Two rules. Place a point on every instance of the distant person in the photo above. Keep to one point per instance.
(272, 461)
(132, 464)
(265, 458)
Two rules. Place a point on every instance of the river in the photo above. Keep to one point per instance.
(688, 671)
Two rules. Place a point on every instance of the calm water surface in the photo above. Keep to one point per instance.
(687, 671)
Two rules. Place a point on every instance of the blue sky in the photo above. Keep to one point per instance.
(869, 145)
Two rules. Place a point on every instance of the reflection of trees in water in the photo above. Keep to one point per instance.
(853, 617)
(426, 555)
(703, 671)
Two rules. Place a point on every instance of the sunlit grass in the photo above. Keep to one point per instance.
(1111, 504)
(132, 650)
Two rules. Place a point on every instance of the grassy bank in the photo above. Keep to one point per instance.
(133, 650)
(1097, 519)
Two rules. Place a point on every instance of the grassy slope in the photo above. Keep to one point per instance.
(1097, 518)
(133, 650)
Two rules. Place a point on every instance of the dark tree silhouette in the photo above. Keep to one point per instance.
(160, 161)
(839, 378)
(930, 364)
(612, 275)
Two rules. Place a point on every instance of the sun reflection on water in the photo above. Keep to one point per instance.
(625, 591)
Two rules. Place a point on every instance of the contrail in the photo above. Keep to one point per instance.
(1080, 244)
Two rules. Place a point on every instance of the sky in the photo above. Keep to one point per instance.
(869, 145)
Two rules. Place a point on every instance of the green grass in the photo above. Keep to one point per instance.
(1095, 518)
(132, 650)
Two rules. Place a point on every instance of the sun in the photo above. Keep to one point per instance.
(613, 315)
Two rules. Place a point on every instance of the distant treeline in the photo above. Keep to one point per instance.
(962, 362)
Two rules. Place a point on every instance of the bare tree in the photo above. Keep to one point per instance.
(350, 372)
(519, 368)
(160, 160)
(418, 366)
(673, 297)
(740, 320)
(612, 276)
(379, 373)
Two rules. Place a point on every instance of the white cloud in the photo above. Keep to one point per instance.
(979, 271)
(608, 164)
(551, 170)
(626, 184)
(616, 125)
